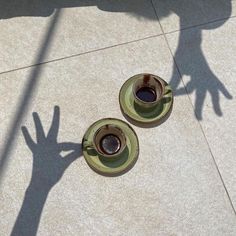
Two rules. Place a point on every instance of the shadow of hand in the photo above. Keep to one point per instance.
(48, 162)
(202, 85)
(203, 81)
(214, 87)
(48, 167)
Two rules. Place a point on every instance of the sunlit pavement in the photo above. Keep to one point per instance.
(76, 55)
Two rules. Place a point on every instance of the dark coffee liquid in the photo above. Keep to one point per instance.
(110, 144)
(146, 94)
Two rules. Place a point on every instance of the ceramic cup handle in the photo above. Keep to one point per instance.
(87, 144)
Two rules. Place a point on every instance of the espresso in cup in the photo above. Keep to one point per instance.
(148, 90)
(110, 144)
(146, 94)
(109, 141)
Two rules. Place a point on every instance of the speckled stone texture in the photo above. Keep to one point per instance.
(173, 189)
(80, 26)
(184, 180)
(213, 84)
(181, 14)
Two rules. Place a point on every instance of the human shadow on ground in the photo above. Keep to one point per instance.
(44, 8)
(28, 92)
(189, 56)
(191, 62)
(49, 166)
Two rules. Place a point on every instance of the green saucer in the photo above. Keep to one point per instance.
(124, 162)
(141, 117)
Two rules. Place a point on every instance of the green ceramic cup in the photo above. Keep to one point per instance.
(148, 90)
(109, 141)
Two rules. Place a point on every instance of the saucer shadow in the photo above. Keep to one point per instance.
(149, 125)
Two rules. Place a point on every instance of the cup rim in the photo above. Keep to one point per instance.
(122, 148)
(157, 79)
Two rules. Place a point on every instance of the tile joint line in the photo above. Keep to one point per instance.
(217, 168)
(116, 45)
(82, 53)
(195, 26)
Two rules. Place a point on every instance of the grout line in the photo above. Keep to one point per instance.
(81, 54)
(117, 45)
(195, 26)
(215, 163)
(217, 168)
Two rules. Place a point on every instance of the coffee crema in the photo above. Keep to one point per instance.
(146, 94)
(110, 144)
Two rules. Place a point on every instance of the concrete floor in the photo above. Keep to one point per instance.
(76, 55)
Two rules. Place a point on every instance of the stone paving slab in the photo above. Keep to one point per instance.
(76, 27)
(174, 188)
(207, 63)
(175, 15)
